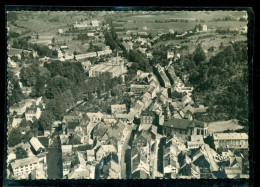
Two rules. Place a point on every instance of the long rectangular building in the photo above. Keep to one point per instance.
(114, 70)
(231, 140)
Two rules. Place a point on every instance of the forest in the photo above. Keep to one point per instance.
(220, 82)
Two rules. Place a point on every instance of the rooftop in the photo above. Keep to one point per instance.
(230, 136)
(24, 162)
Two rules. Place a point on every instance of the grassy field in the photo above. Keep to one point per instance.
(221, 126)
(139, 21)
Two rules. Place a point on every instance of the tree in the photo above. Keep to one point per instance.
(221, 46)
(29, 75)
(24, 124)
(14, 137)
(53, 40)
(46, 119)
(21, 153)
(199, 55)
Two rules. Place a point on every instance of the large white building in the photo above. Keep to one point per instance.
(32, 112)
(24, 166)
(231, 140)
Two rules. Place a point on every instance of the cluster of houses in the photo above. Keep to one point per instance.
(92, 144)
(138, 39)
(157, 137)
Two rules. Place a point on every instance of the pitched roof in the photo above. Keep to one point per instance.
(72, 125)
(24, 162)
(178, 123)
(36, 144)
(110, 157)
(140, 174)
(44, 141)
(170, 160)
(148, 113)
(230, 136)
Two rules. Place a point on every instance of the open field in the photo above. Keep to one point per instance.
(184, 15)
(221, 126)
(139, 21)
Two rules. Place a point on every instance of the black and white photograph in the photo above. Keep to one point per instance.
(127, 94)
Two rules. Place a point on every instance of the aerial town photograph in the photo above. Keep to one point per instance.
(127, 95)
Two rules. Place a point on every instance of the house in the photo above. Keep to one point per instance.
(95, 117)
(119, 109)
(110, 168)
(60, 31)
(95, 23)
(235, 167)
(86, 65)
(149, 55)
(144, 140)
(138, 89)
(127, 46)
(64, 138)
(152, 90)
(86, 55)
(204, 28)
(66, 148)
(170, 165)
(99, 131)
(21, 107)
(126, 38)
(36, 145)
(137, 109)
(186, 100)
(171, 31)
(139, 163)
(15, 122)
(231, 140)
(170, 55)
(195, 141)
(127, 118)
(142, 34)
(24, 166)
(146, 99)
(148, 117)
(90, 155)
(163, 79)
(186, 127)
(171, 74)
(114, 70)
(38, 174)
(104, 150)
(71, 126)
(140, 174)
(104, 52)
(32, 112)
(72, 117)
(200, 109)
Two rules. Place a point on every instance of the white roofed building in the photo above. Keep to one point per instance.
(36, 145)
(231, 140)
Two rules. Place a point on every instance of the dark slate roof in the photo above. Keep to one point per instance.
(199, 123)
(176, 94)
(148, 113)
(99, 130)
(184, 123)
(110, 157)
(44, 141)
(178, 123)
(140, 174)
(73, 113)
(72, 125)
